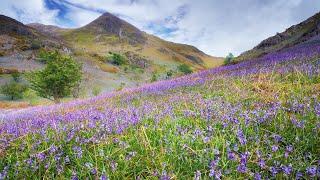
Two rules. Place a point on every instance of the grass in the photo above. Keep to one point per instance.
(183, 146)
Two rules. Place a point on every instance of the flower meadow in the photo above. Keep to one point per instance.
(257, 119)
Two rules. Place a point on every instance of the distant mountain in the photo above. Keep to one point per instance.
(16, 37)
(305, 32)
(110, 33)
(48, 30)
(14, 28)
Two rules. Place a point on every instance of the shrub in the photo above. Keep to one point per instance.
(35, 45)
(30, 96)
(14, 90)
(229, 59)
(185, 69)
(169, 74)
(46, 56)
(57, 79)
(16, 76)
(154, 77)
(117, 59)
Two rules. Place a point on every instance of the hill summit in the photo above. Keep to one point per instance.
(112, 25)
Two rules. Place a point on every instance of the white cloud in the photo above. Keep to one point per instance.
(28, 11)
(215, 27)
(81, 17)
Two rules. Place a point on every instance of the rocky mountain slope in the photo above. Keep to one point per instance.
(16, 37)
(305, 32)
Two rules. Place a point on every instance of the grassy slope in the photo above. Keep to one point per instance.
(102, 44)
(91, 49)
(184, 141)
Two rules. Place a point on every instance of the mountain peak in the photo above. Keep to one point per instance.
(107, 14)
(110, 24)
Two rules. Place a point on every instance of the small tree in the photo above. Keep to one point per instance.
(58, 79)
(185, 69)
(14, 90)
(229, 59)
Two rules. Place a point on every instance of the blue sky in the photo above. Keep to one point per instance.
(214, 26)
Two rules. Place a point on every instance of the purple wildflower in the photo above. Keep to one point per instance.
(93, 171)
(104, 177)
(165, 176)
(242, 139)
(206, 139)
(212, 173)
(218, 175)
(261, 163)
(74, 177)
(242, 168)
(41, 157)
(114, 166)
(299, 175)
(257, 176)
(4, 173)
(277, 138)
(77, 151)
(231, 155)
(67, 160)
(317, 109)
(287, 169)
(273, 170)
(289, 148)
(197, 175)
(311, 171)
(53, 149)
(274, 148)
(244, 157)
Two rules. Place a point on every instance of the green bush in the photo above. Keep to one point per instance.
(169, 74)
(117, 59)
(229, 59)
(57, 79)
(30, 96)
(14, 90)
(16, 76)
(185, 69)
(46, 56)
